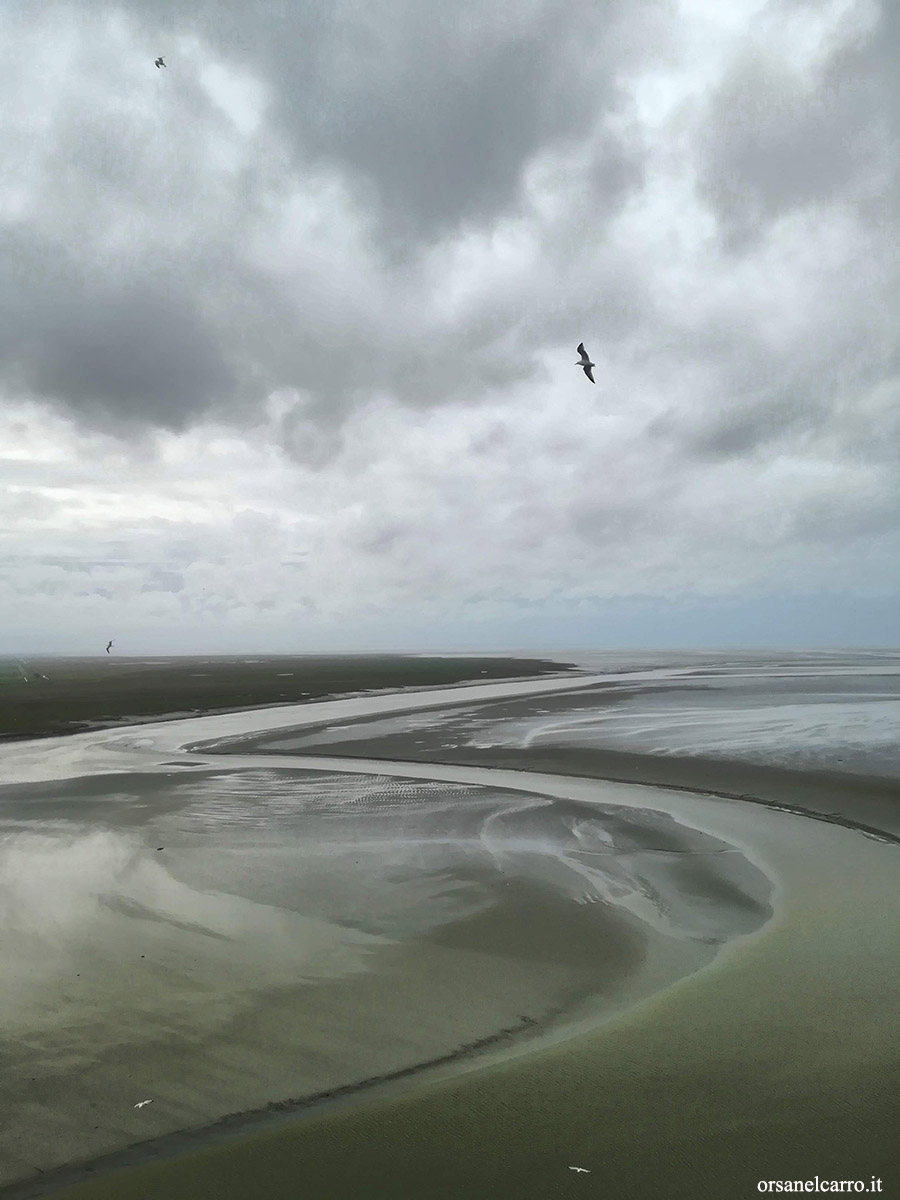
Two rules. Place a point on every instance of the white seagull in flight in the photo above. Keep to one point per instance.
(582, 1170)
(141, 1103)
(108, 647)
(585, 363)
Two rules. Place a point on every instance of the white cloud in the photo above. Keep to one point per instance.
(238, 402)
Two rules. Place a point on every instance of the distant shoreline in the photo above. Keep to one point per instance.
(91, 695)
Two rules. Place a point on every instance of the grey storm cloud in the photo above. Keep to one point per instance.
(429, 118)
(781, 145)
(311, 295)
(135, 351)
(435, 110)
(775, 141)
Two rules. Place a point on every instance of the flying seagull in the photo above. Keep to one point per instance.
(158, 62)
(141, 1103)
(586, 364)
(108, 647)
(581, 1170)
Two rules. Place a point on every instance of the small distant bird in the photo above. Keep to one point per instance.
(141, 1103)
(158, 62)
(585, 363)
(582, 1170)
(108, 647)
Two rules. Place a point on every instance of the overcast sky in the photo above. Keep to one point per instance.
(288, 328)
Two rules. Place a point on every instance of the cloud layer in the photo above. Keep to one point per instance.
(288, 329)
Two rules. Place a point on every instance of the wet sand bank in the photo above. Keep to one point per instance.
(870, 803)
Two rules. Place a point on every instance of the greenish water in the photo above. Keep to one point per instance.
(781, 1061)
(13, 674)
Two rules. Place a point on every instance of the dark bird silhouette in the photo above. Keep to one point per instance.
(159, 62)
(585, 363)
(108, 647)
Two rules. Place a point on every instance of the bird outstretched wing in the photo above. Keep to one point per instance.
(582, 353)
(589, 373)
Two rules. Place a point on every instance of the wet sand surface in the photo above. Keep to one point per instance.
(837, 755)
(582, 897)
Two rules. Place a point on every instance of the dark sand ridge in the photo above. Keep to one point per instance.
(44, 697)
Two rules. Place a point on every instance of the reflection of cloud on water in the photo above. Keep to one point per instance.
(306, 925)
(272, 877)
(84, 916)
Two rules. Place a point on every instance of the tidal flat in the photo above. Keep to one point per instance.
(389, 977)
